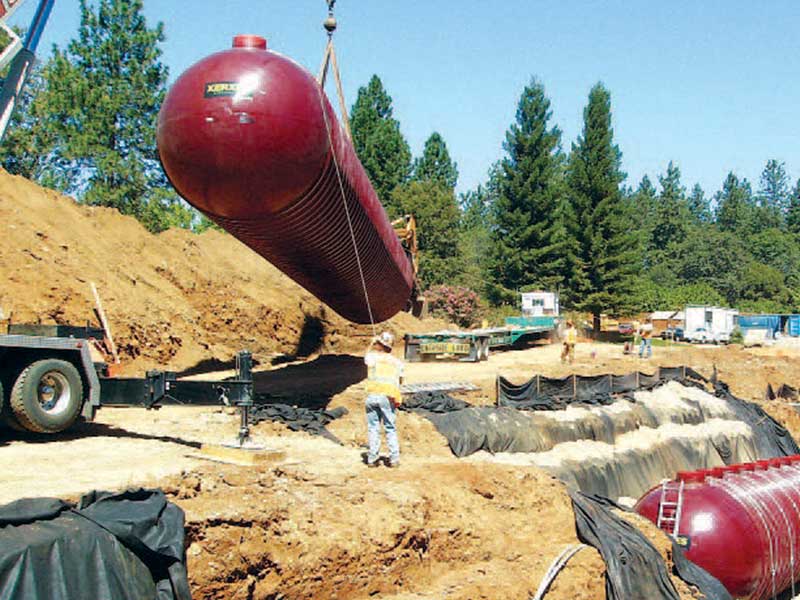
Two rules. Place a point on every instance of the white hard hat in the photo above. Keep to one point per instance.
(385, 339)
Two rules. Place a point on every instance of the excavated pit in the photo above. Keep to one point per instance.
(623, 449)
(618, 448)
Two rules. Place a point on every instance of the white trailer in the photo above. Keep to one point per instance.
(709, 323)
(540, 304)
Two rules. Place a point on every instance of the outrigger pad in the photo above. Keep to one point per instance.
(126, 546)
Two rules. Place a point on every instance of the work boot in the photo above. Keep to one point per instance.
(394, 464)
(372, 465)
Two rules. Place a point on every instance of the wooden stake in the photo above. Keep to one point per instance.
(104, 322)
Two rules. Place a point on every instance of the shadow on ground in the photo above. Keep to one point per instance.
(83, 430)
(310, 384)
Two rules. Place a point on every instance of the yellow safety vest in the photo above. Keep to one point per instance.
(383, 375)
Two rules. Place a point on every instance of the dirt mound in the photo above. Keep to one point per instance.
(175, 300)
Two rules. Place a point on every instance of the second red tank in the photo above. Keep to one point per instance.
(248, 137)
(741, 523)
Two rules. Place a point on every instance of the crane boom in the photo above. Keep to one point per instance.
(20, 55)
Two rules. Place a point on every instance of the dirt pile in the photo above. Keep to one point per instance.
(175, 300)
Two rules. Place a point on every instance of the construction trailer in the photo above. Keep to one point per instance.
(709, 323)
(769, 326)
(540, 304)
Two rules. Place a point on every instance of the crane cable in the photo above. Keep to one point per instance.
(330, 26)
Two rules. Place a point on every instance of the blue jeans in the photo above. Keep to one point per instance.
(380, 410)
(646, 343)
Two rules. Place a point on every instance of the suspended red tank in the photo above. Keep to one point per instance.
(740, 523)
(248, 137)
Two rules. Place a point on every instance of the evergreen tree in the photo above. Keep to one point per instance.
(92, 124)
(773, 196)
(643, 202)
(528, 240)
(641, 209)
(380, 146)
(475, 238)
(435, 163)
(606, 263)
(671, 216)
(437, 214)
(793, 213)
(734, 205)
(698, 205)
(774, 186)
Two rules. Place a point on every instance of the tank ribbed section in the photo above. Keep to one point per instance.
(741, 523)
(310, 242)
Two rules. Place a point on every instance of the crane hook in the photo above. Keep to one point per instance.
(330, 22)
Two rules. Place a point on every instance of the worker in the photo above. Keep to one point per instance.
(384, 376)
(570, 339)
(646, 333)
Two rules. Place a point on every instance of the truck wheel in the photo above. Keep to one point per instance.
(47, 396)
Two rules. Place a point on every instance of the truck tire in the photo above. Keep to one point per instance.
(47, 396)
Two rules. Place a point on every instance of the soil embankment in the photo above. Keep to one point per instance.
(317, 524)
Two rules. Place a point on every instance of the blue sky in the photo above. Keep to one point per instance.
(707, 84)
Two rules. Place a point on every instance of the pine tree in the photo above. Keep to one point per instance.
(793, 213)
(93, 121)
(698, 205)
(435, 163)
(475, 238)
(380, 146)
(643, 203)
(606, 264)
(773, 196)
(671, 216)
(734, 205)
(528, 239)
(437, 214)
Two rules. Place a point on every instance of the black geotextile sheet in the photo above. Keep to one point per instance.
(771, 438)
(505, 428)
(634, 568)
(120, 546)
(549, 393)
(784, 392)
(297, 418)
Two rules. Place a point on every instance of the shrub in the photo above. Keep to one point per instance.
(457, 304)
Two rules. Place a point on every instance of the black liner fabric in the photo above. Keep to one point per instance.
(594, 522)
(784, 392)
(546, 393)
(437, 402)
(313, 421)
(126, 546)
(634, 568)
(772, 439)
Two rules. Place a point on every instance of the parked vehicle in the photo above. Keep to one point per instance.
(626, 328)
(702, 335)
(716, 321)
(672, 333)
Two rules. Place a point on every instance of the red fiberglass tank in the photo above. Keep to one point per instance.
(248, 137)
(740, 523)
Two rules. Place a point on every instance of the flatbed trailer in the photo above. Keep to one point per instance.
(474, 345)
